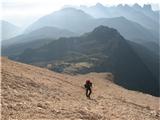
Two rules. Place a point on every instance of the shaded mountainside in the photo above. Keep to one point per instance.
(16, 49)
(102, 50)
(130, 30)
(34, 39)
(29, 92)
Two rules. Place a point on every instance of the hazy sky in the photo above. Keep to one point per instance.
(23, 12)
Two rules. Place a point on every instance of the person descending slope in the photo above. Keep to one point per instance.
(88, 87)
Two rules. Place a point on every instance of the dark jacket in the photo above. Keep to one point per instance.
(88, 85)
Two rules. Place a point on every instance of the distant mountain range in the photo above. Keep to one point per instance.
(33, 39)
(8, 30)
(103, 50)
(41, 33)
(71, 22)
(142, 15)
(78, 21)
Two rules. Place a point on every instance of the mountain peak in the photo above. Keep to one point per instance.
(68, 12)
(102, 27)
(72, 10)
(67, 18)
(120, 5)
(103, 30)
(99, 5)
(137, 6)
(69, 9)
(147, 7)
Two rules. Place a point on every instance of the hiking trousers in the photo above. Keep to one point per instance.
(88, 92)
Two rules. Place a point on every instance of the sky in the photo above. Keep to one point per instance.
(24, 12)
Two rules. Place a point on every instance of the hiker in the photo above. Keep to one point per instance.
(88, 87)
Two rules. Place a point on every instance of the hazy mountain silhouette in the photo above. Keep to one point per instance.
(105, 50)
(145, 16)
(41, 33)
(67, 18)
(78, 21)
(142, 15)
(130, 30)
(8, 30)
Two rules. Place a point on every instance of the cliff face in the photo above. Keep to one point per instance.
(30, 92)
